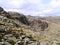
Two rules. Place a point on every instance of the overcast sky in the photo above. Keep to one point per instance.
(33, 7)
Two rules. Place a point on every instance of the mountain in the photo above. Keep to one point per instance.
(46, 30)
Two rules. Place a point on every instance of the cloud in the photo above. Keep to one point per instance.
(15, 10)
(0, 1)
(47, 10)
(55, 3)
(34, 1)
(16, 3)
(33, 7)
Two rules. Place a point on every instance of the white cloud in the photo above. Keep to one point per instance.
(16, 3)
(20, 3)
(55, 3)
(0, 1)
(42, 15)
(47, 10)
(34, 1)
(12, 10)
(32, 7)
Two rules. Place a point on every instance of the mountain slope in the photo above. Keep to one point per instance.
(45, 30)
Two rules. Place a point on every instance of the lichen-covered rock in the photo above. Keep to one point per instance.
(23, 19)
(39, 25)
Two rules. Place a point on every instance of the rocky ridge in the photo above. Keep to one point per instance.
(18, 28)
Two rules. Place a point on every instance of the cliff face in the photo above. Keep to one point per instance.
(41, 29)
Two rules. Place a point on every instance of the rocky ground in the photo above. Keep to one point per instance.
(18, 29)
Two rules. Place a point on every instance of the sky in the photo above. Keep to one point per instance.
(33, 7)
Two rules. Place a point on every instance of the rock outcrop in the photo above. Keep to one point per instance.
(12, 22)
(22, 18)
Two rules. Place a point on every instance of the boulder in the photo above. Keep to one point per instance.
(44, 25)
(23, 19)
(39, 25)
(1, 9)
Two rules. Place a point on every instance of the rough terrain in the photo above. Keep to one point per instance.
(37, 30)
